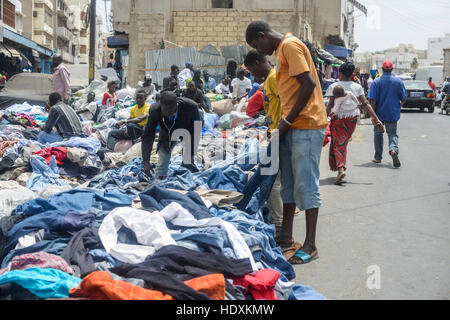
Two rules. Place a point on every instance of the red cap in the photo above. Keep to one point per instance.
(388, 65)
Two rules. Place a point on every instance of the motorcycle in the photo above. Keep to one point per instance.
(445, 107)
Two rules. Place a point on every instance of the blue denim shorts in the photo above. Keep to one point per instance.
(300, 152)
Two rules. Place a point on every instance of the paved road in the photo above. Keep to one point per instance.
(396, 219)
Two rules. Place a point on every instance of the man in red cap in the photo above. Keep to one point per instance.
(387, 95)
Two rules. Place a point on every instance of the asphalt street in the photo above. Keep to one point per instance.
(385, 233)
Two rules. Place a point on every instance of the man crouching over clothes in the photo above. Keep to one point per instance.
(176, 117)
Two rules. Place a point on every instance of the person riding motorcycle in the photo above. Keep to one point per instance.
(445, 93)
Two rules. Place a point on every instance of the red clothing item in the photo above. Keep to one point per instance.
(327, 135)
(341, 133)
(261, 284)
(109, 99)
(255, 104)
(47, 153)
(432, 86)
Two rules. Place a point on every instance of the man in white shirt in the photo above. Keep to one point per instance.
(187, 73)
(88, 110)
(224, 87)
(241, 85)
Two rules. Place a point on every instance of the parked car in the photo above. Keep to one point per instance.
(420, 95)
(33, 88)
(404, 77)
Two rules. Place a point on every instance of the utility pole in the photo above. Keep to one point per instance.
(92, 39)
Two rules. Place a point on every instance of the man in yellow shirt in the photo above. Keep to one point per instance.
(258, 65)
(134, 126)
(301, 132)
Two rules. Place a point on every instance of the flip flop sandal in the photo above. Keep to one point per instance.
(301, 257)
(340, 178)
(291, 251)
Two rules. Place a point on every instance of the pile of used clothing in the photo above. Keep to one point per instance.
(78, 222)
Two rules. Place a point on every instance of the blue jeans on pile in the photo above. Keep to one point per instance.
(259, 237)
(260, 181)
(391, 130)
(157, 198)
(45, 137)
(207, 239)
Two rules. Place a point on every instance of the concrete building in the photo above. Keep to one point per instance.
(402, 56)
(59, 25)
(79, 8)
(436, 48)
(198, 23)
(17, 46)
(447, 62)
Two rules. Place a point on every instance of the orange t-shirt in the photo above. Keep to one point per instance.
(293, 59)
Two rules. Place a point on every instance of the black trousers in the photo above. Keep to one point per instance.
(132, 132)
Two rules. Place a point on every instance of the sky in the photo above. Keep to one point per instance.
(101, 12)
(401, 21)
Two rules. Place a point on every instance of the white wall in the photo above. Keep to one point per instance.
(436, 47)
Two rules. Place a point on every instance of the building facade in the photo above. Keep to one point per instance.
(59, 25)
(446, 62)
(18, 50)
(406, 59)
(436, 48)
(198, 23)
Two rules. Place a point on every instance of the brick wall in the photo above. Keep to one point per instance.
(218, 27)
(149, 31)
(221, 27)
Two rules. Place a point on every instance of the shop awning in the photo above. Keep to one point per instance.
(118, 41)
(12, 52)
(338, 51)
(17, 38)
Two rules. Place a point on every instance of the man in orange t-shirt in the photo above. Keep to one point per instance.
(301, 132)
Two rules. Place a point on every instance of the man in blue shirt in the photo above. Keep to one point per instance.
(387, 95)
(210, 83)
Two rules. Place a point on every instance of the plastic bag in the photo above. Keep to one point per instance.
(223, 107)
(237, 119)
(224, 122)
(211, 120)
(126, 92)
(11, 195)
